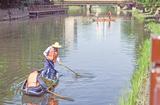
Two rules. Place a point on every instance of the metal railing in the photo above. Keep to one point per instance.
(43, 7)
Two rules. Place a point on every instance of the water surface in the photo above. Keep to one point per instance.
(105, 51)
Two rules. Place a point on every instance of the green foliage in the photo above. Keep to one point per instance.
(8, 3)
(138, 16)
(75, 9)
(149, 2)
(154, 28)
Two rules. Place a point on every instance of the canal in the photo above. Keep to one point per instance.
(105, 51)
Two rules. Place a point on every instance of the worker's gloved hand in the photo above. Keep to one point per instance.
(59, 61)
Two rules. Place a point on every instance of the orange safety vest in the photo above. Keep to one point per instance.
(52, 55)
(32, 79)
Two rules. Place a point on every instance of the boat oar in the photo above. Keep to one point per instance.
(77, 74)
(59, 96)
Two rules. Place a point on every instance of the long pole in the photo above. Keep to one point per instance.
(77, 74)
(59, 96)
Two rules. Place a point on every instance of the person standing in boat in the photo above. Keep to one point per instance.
(51, 56)
(109, 14)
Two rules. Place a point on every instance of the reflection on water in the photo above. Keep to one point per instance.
(104, 50)
(103, 29)
(43, 100)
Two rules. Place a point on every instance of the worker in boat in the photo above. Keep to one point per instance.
(32, 79)
(51, 57)
(109, 14)
(34, 86)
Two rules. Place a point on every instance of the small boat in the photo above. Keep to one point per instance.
(43, 85)
(105, 19)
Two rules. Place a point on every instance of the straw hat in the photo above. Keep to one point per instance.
(56, 45)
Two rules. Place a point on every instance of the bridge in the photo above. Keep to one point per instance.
(92, 2)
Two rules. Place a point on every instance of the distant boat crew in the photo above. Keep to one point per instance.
(109, 14)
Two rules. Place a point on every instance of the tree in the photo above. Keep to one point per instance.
(8, 3)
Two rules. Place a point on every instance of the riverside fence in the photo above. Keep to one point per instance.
(155, 72)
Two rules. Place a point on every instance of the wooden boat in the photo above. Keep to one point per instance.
(105, 19)
(44, 85)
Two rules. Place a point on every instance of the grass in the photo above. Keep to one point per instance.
(136, 94)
